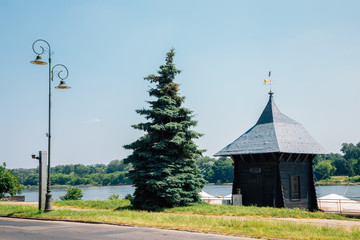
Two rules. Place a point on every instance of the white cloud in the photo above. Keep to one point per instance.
(95, 120)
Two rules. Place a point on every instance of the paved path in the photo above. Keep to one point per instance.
(25, 229)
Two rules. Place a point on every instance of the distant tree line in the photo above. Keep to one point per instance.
(115, 173)
(78, 174)
(335, 164)
(213, 170)
(216, 170)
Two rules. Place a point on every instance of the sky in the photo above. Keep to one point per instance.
(224, 49)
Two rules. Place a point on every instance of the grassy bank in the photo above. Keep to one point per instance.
(204, 209)
(335, 180)
(207, 224)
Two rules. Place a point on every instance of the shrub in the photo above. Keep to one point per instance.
(72, 193)
(8, 182)
(114, 196)
(129, 197)
(353, 179)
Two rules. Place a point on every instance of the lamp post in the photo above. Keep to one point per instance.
(44, 46)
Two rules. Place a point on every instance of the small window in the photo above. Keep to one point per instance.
(294, 188)
(255, 170)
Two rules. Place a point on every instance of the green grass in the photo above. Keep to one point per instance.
(204, 209)
(95, 204)
(340, 180)
(229, 210)
(333, 180)
(208, 224)
(354, 179)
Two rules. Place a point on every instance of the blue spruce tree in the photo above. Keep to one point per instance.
(164, 172)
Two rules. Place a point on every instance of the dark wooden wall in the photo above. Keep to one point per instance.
(298, 165)
(264, 179)
(255, 176)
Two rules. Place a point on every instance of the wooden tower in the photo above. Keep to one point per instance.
(273, 162)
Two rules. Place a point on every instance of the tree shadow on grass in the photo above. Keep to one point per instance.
(20, 212)
(124, 208)
(135, 209)
(11, 214)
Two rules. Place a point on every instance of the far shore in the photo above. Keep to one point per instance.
(211, 184)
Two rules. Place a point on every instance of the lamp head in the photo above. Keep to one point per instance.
(62, 85)
(38, 61)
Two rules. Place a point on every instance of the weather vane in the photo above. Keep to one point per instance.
(268, 80)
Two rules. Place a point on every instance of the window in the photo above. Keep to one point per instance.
(255, 170)
(294, 188)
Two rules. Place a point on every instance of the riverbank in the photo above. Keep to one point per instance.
(103, 192)
(339, 180)
(256, 222)
(331, 181)
(119, 185)
(81, 185)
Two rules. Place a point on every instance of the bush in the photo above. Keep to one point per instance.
(223, 171)
(324, 169)
(129, 197)
(8, 182)
(114, 196)
(72, 193)
(353, 179)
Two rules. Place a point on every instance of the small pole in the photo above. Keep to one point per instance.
(268, 80)
(48, 201)
(42, 178)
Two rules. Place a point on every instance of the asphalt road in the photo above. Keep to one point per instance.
(25, 229)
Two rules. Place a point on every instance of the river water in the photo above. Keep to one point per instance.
(100, 193)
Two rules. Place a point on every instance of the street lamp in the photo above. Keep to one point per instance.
(62, 76)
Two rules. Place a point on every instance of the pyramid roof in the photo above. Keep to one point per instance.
(273, 132)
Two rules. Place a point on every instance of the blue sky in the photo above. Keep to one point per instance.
(224, 49)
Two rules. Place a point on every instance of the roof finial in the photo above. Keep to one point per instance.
(268, 80)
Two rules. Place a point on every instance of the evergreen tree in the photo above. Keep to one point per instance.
(164, 170)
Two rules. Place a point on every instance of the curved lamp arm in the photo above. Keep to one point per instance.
(61, 76)
(42, 48)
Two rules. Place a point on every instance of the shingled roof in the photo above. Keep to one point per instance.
(273, 132)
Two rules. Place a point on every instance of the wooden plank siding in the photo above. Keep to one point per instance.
(298, 165)
(255, 176)
(264, 179)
